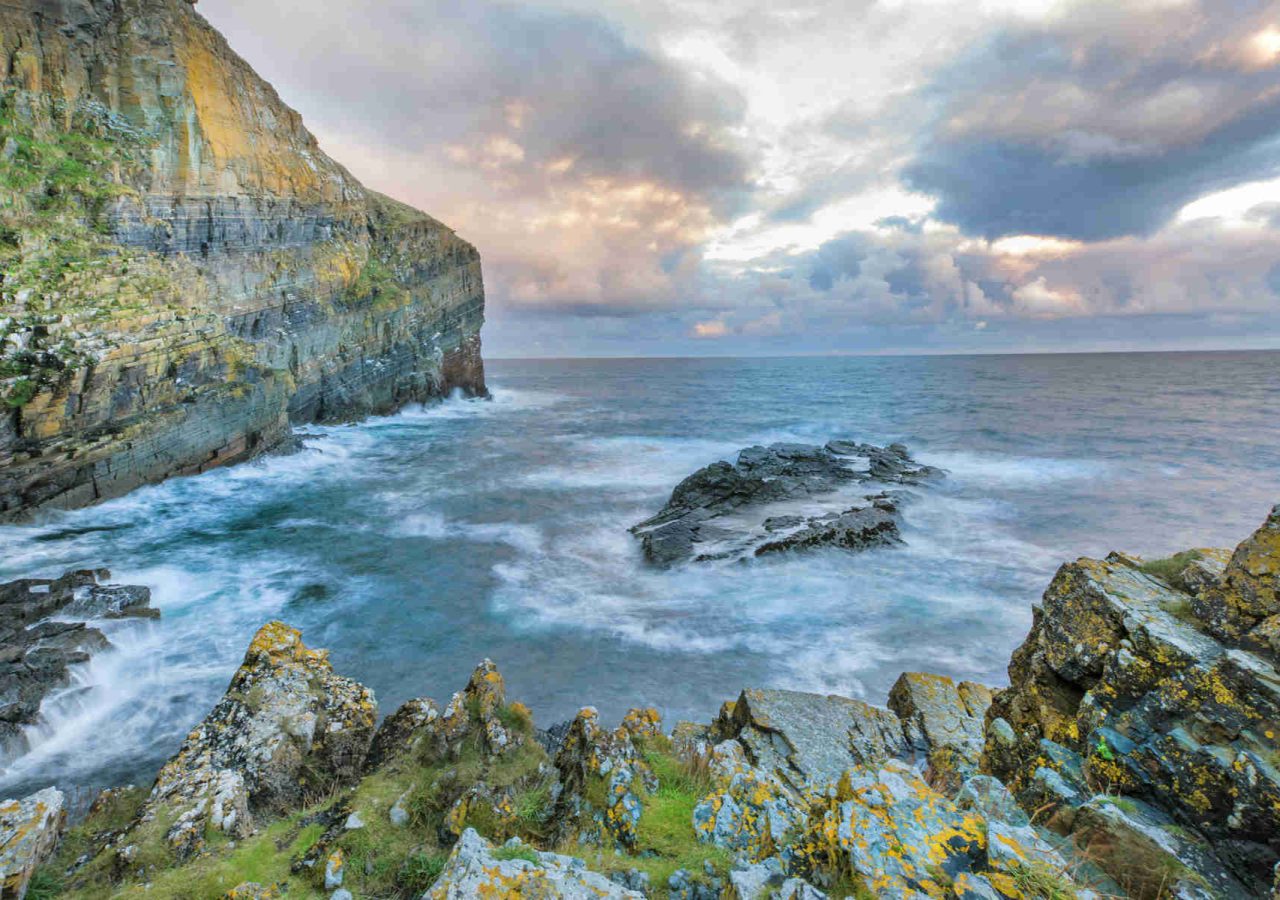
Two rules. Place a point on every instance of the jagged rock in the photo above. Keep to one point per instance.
(943, 721)
(36, 653)
(767, 880)
(1129, 685)
(399, 732)
(287, 729)
(1248, 592)
(782, 497)
(476, 869)
(29, 831)
(749, 812)
(474, 711)
(601, 775)
(810, 739)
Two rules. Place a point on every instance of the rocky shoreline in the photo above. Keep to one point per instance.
(42, 637)
(1134, 753)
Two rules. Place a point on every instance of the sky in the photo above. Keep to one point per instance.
(733, 177)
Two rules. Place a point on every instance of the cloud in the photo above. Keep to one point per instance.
(589, 169)
(1102, 123)
(815, 175)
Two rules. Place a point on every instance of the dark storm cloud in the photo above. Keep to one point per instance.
(1095, 129)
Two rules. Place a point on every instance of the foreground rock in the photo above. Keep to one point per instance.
(1133, 755)
(29, 831)
(784, 497)
(287, 732)
(39, 642)
(517, 870)
(1143, 716)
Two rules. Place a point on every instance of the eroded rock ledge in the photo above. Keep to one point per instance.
(785, 497)
(1133, 754)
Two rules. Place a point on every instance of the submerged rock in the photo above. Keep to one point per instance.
(783, 497)
(29, 831)
(36, 651)
(477, 869)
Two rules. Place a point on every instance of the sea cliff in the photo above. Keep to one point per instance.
(1134, 753)
(186, 274)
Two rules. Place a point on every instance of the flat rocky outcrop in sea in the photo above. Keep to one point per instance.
(186, 272)
(40, 639)
(1133, 754)
(785, 497)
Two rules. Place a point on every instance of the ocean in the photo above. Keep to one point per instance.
(415, 545)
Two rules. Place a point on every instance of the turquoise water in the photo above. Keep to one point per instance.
(412, 546)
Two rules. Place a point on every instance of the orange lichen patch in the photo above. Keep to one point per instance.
(253, 138)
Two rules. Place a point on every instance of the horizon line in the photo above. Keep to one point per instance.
(885, 355)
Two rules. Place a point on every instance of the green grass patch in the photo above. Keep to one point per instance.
(1170, 568)
(517, 851)
(1040, 882)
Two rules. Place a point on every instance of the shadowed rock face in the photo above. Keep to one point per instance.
(784, 497)
(186, 273)
(39, 642)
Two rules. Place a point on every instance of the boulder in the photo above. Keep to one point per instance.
(1129, 685)
(942, 720)
(783, 497)
(287, 730)
(807, 740)
(29, 832)
(768, 881)
(749, 812)
(477, 869)
(1248, 592)
(886, 828)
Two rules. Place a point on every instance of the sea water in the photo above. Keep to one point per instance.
(415, 545)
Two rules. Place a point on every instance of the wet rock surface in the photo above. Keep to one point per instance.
(785, 497)
(40, 639)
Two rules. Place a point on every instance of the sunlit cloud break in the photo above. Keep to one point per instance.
(817, 175)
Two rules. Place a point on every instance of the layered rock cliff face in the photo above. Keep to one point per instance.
(185, 272)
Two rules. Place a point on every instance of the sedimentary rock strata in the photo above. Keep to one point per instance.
(185, 272)
(784, 497)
